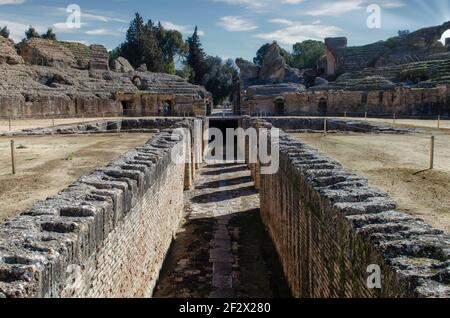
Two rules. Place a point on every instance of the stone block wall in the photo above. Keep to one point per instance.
(329, 227)
(104, 236)
(401, 101)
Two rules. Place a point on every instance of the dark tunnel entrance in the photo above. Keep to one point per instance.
(221, 126)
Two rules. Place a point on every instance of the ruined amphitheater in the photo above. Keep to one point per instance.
(99, 207)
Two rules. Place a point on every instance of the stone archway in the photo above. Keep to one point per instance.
(279, 106)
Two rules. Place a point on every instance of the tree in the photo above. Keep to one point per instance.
(4, 32)
(172, 45)
(196, 58)
(132, 48)
(258, 60)
(219, 78)
(307, 54)
(112, 55)
(403, 33)
(31, 33)
(151, 44)
(152, 54)
(49, 35)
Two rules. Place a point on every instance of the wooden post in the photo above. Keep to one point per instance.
(432, 153)
(325, 128)
(13, 164)
(53, 121)
(365, 116)
(439, 121)
(394, 118)
(345, 114)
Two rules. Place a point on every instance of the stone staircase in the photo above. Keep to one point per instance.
(437, 69)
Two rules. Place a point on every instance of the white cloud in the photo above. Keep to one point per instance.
(2, 2)
(257, 4)
(183, 29)
(237, 24)
(281, 21)
(101, 18)
(292, 1)
(63, 27)
(17, 29)
(100, 32)
(298, 32)
(247, 3)
(336, 8)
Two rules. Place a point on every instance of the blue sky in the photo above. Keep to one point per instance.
(229, 28)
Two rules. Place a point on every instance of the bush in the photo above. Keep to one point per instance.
(415, 75)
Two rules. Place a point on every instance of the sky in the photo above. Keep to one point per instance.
(228, 28)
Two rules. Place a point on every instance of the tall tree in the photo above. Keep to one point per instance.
(307, 54)
(219, 78)
(152, 54)
(132, 49)
(196, 58)
(172, 45)
(49, 35)
(258, 60)
(4, 32)
(31, 33)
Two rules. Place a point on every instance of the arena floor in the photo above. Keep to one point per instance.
(48, 164)
(399, 165)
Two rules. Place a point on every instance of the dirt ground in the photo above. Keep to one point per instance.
(20, 124)
(397, 164)
(443, 124)
(46, 165)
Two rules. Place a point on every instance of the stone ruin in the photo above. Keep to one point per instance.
(404, 75)
(43, 78)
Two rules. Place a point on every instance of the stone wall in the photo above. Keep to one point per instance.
(410, 47)
(63, 79)
(401, 101)
(329, 226)
(104, 236)
(8, 53)
(44, 52)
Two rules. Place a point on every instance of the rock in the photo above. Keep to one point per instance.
(44, 52)
(320, 81)
(274, 70)
(142, 68)
(8, 54)
(248, 71)
(122, 65)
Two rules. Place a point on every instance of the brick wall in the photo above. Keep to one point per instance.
(104, 236)
(329, 226)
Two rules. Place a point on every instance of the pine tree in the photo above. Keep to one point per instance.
(4, 32)
(196, 58)
(132, 48)
(31, 33)
(152, 53)
(49, 35)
